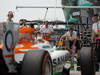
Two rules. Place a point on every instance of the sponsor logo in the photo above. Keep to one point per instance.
(59, 62)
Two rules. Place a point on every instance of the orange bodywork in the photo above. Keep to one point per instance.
(26, 31)
(1, 46)
(27, 46)
(25, 41)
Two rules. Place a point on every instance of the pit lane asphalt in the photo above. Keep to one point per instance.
(79, 73)
(71, 73)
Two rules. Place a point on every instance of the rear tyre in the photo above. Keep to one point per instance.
(37, 62)
(87, 61)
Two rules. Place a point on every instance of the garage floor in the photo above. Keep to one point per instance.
(78, 73)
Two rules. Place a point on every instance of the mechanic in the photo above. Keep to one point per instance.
(71, 37)
(72, 43)
(96, 37)
(34, 31)
(22, 22)
(95, 26)
(9, 56)
(46, 31)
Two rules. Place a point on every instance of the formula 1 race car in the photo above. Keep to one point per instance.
(40, 58)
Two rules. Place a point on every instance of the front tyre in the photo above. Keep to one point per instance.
(37, 62)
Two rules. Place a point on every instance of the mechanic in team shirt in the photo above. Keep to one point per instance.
(9, 55)
(72, 43)
(96, 37)
(71, 39)
(46, 31)
(95, 26)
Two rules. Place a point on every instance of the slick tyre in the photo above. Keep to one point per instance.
(87, 61)
(37, 62)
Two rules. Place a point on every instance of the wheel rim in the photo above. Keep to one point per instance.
(48, 68)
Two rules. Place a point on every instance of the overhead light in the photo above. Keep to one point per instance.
(84, 3)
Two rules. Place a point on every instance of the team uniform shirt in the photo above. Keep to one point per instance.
(96, 27)
(68, 35)
(42, 26)
(46, 30)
